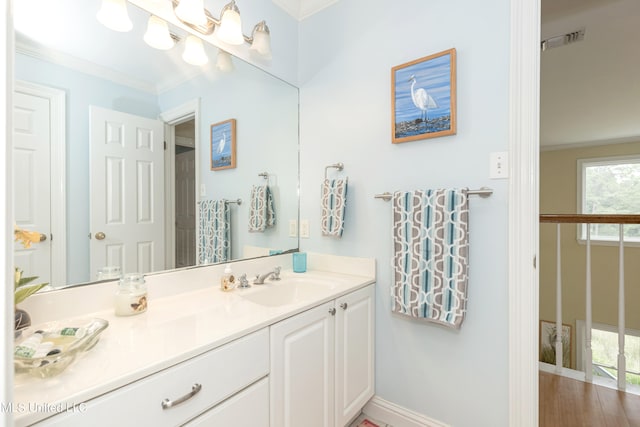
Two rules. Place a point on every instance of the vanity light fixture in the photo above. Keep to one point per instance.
(194, 51)
(228, 28)
(113, 15)
(157, 34)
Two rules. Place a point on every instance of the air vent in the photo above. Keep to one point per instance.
(562, 40)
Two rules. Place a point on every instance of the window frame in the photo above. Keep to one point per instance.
(581, 231)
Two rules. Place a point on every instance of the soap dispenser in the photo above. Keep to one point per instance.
(227, 281)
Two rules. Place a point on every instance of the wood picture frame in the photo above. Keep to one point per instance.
(223, 145)
(423, 97)
(547, 343)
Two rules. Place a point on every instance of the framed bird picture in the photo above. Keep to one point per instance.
(423, 94)
(223, 145)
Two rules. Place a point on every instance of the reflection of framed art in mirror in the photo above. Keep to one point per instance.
(223, 145)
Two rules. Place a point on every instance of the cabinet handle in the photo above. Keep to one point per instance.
(343, 306)
(332, 311)
(168, 403)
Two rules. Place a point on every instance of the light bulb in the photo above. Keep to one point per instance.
(113, 15)
(157, 34)
(194, 51)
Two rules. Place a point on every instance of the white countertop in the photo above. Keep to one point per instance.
(172, 330)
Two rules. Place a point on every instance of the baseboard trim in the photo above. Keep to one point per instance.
(396, 415)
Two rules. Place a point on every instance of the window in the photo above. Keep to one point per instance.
(609, 186)
(604, 347)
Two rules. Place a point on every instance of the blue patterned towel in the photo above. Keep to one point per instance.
(214, 244)
(262, 213)
(431, 249)
(334, 200)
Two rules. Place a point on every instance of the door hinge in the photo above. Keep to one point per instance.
(165, 145)
(534, 261)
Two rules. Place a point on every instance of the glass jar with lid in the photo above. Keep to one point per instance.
(131, 296)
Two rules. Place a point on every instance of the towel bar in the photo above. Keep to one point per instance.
(265, 175)
(483, 192)
(338, 166)
(238, 201)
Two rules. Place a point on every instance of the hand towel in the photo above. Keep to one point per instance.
(262, 214)
(214, 243)
(431, 247)
(334, 200)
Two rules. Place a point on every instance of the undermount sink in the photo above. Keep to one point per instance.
(288, 291)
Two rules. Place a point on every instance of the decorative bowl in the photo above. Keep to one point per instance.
(47, 349)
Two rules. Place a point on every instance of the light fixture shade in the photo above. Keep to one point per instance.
(194, 51)
(230, 29)
(261, 40)
(157, 34)
(224, 62)
(113, 15)
(192, 11)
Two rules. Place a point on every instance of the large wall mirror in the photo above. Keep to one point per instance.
(82, 89)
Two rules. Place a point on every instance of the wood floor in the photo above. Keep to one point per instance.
(565, 402)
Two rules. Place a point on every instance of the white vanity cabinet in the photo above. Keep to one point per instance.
(322, 362)
(178, 394)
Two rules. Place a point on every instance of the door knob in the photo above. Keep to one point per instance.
(100, 235)
(43, 237)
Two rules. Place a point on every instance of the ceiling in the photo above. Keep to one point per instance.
(301, 9)
(590, 90)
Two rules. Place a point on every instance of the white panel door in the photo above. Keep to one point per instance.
(185, 196)
(354, 353)
(302, 369)
(31, 185)
(127, 192)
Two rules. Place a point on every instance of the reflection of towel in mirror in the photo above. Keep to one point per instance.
(262, 214)
(214, 231)
(334, 200)
(431, 255)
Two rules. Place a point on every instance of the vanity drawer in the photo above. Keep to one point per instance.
(221, 372)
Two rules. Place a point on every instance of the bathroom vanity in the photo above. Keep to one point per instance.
(297, 351)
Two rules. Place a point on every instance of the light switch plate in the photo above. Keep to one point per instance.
(304, 228)
(203, 190)
(293, 228)
(499, 165)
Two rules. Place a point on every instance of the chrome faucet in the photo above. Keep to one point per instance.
(274, 274)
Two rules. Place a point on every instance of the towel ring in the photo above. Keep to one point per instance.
(338, 166)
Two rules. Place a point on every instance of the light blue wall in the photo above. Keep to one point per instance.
(346, 54)
(82, 90)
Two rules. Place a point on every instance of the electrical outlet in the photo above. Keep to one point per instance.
(499, 165)
(304, 228)
(293, 228)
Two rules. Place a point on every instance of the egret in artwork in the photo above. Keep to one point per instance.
(422, 100)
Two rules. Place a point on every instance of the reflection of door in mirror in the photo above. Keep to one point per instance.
(127, 188)
(185, 189)
(38, 138)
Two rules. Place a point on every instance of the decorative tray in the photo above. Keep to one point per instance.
(47, 349)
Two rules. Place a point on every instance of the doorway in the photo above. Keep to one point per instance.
(185, 191)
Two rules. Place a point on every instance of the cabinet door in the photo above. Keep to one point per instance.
(249, 408)
(301, 378)
(354, 353)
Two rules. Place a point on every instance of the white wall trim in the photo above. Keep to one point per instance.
(58, 174)
(6, 207)
(524, 148)
(397, 416)
(173, 117)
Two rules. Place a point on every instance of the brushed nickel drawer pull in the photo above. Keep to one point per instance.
(343, 306)
(168, 403)
(332, 311)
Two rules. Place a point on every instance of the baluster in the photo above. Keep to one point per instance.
(622, 361)
(588, 355)
(558, 343)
